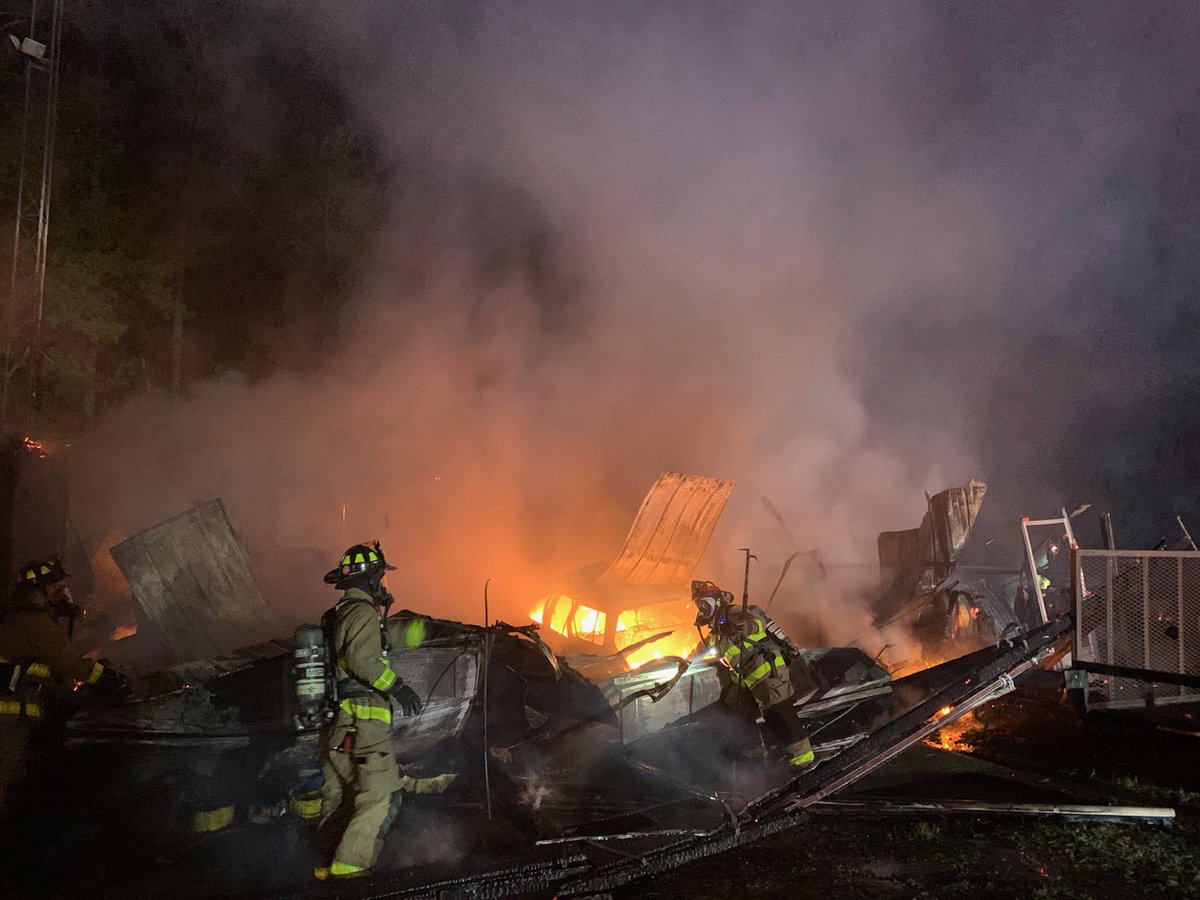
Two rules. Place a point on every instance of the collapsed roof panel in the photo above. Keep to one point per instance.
(671, 531)
(193, 585)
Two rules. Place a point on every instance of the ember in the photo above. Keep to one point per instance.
(534, 794)
(950, 736)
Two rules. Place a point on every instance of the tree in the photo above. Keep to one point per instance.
(207, 166)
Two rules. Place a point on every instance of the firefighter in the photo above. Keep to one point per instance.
(356, 744)
(755, 652)
(36, 656)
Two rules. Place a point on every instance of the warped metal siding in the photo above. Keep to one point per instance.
(446, 678)
(914, 561)
(671, 531)
(951, 515)
(192, 581)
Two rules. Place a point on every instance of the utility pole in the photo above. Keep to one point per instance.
(27, 274)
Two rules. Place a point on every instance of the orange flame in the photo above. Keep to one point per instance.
(678, 643)
(574, 618)
(951, 736)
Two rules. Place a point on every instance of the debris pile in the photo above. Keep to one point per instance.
(599, 724)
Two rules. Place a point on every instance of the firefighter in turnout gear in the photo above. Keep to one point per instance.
(36, 657)
(754, 651)
(360, 769)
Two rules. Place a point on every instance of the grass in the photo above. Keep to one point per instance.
(1175, 795)
(926, 832)
(1167, 859)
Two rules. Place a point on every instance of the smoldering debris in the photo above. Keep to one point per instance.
(577, 749)
(576, 756)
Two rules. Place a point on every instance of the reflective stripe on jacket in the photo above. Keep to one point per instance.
(18, 708)
(367, 709)
(750, 651)
(34, 650)
(38, 672)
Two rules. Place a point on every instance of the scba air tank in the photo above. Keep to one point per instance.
(311, 678)
(778, 633)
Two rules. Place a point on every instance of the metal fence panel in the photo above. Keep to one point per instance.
(1139, 609)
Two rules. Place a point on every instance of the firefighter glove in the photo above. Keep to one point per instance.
(406, 698)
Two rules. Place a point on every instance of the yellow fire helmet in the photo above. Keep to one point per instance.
(42, 571)
(359, 560)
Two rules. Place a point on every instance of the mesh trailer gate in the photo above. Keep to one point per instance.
(1137, 626)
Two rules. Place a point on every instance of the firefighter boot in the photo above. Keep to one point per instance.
(800, 754)
(325, 873)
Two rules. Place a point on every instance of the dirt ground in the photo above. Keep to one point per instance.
(1130, 757)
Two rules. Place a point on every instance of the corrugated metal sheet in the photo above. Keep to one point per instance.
(671, 531)
(951, 515)
(191, 579)
(918, 559)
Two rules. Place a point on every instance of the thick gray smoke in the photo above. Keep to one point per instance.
(844, 254)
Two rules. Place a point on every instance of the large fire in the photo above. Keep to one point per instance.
(679, 643)
(614, 631)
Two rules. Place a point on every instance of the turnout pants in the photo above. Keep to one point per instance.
(366, 777)
(773, 698)
(14, 753)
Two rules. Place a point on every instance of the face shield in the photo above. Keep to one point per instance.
(378, 589)
(706, 610)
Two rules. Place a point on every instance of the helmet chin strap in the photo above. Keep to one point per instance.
(382, 595)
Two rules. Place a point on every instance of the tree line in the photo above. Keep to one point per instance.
(212, 188)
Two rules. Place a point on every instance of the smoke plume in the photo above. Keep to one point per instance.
(844, 254)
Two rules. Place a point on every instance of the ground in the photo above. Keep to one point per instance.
(1123, 755)
(1030, 748)
(928, 857)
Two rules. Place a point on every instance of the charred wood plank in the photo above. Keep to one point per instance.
(192, 581)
